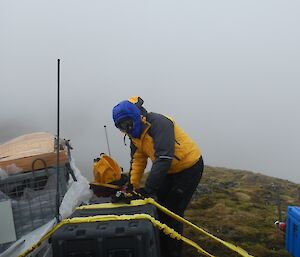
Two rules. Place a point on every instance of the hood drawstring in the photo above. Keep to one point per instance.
(124, 139)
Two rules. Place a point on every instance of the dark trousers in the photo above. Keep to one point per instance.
(175, 194)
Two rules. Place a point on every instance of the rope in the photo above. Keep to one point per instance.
(232, 247)
(165, 229)
(99, 218)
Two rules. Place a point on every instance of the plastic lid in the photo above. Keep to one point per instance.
(294, 210)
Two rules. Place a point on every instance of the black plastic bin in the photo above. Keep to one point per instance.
(133, 238)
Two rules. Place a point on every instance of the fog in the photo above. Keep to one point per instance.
(226, 71)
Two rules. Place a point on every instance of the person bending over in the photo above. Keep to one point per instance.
(177, 163)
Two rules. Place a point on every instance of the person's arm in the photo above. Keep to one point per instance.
(137, 166)
(162, 133)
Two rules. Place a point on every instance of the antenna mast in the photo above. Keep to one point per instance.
(57, 143)
(107, 140)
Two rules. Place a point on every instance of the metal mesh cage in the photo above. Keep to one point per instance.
(33, 197)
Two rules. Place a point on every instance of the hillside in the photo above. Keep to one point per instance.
(239, 207)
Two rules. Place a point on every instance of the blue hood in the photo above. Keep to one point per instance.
(125, 110)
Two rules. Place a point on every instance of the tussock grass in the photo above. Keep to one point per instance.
(239, 207)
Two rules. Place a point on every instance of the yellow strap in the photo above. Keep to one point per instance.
(232, 247)
(165, 229)
(111, 205)
(235, 248)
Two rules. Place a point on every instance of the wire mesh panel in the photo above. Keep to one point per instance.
(33, 197)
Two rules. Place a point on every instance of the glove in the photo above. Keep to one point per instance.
(120, 197)
(144, 193)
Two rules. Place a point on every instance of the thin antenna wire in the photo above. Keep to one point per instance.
(57, 144)
(107, 140)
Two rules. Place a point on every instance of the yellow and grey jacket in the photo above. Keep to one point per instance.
(167, 145)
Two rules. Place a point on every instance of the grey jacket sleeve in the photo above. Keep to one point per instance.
(162, 133)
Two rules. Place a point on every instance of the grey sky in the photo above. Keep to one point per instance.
(227, 71)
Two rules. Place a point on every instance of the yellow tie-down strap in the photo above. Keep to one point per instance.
(232, 247)
(113, 205)
(165, 229)
(99, 218)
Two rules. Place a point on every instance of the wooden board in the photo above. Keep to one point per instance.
(18, 155)
(27, 145)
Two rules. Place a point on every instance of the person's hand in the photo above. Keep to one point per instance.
(120, 197)
(144, 193)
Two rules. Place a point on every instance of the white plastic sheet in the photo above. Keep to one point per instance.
(78, 192)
